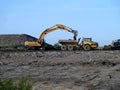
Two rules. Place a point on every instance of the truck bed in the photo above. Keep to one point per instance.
(68, 41)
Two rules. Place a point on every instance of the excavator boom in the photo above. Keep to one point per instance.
(57, 26)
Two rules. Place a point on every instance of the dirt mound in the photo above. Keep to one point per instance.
(15, 39)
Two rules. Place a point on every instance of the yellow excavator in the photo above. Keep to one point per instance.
(40, 42)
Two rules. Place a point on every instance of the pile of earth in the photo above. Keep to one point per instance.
(11, 40)
(63, 70)
(15, 39)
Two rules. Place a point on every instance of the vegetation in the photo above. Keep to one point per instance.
(57, 46)
(22, 84)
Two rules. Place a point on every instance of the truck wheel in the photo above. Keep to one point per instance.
(63, 47)
(87, 47)
(70, 47)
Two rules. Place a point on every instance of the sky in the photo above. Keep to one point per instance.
(97, 19)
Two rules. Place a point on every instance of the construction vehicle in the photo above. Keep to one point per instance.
(116, 44)
(40, 43)
(86, 44)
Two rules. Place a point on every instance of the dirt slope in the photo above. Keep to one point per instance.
(58, 70)
(15, 39)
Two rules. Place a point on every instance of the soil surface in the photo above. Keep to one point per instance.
(63, 70)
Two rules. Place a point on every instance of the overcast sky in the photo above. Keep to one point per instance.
(98, 19)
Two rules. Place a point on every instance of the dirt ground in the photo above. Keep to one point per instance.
(63, 70)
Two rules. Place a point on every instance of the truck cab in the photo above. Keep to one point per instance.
(88, 44)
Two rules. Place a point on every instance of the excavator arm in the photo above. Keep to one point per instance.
(56, 27)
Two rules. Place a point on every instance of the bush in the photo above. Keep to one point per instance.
(7, 85)
(22, 84)
(57, 46)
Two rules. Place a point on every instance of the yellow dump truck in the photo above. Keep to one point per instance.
(85, 44)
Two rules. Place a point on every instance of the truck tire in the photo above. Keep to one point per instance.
(87, 47)
(70, 47)
(63, 47)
